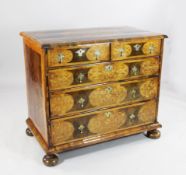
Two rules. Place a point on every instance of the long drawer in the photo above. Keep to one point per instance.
(87, 126)
(92, 53)
(72, 101)
(102, 72)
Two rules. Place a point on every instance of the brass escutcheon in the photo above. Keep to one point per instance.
(81, 128)
(108, 114)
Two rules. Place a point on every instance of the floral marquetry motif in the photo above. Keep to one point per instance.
(150, 66)
(98, 52)
(61, 103)
(107, 95)
(61, 131)
(106, 122)
(149, 88)
(115, 71)
(147, 112)
(60, 78)
(59, 57)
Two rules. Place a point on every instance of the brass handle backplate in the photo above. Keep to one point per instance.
(134, 70)
(81, 101)
(137, 47)
(81, 77)
(80, 52)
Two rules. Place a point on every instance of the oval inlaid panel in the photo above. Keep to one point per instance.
(108, 121)
(115, 71)
(61, 103)
(59, 56)
(149, 88)
(147, 112)
(150, 66)
(109, 95)
(60, 79)
(98, 52)
(120, 50)
(61, 131)
(151, 47)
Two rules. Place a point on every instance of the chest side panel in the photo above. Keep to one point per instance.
(35, 96)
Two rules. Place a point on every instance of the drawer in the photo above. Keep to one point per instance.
(123, 50)
(68, 102)
(89, 126)
(102, 72)
(69, 55)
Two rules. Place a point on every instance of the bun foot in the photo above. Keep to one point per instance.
(153, 134)
(50, 160)
(29, 132)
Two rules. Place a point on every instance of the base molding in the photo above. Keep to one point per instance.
(89, 141)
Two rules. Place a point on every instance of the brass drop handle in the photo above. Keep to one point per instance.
(81, 77)
(81, 128)
(81, 101)
(151, 48)
(97, 54)
(133, 93)
(60, 57)
(121, 51)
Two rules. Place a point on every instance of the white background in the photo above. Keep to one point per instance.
(132, 155)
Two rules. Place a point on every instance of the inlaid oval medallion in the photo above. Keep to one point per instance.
(120, 50)
(108, 95)
(61, 103)
(59, 57)
(112, 72)
(150, 66)
(147, 112)
(60, 79)
(61, 131)
(149, 88)
(107, 121)
(98, 52)
(151, 47)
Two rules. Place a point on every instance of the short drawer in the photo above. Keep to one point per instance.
(123, 50)
(93, 125)
(102, 72)
(73, 101)
(71, 55)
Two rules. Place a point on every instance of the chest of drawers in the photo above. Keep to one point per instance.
(87, 86)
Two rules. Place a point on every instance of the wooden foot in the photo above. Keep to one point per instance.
(153, 134)
(29, 132)
(50, 160)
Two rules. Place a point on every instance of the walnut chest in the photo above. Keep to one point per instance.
(88, 86)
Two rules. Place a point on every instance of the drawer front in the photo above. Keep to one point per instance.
(123, 50)
(92, 98)
(95, 124)
(104, 72)
(78, 54)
